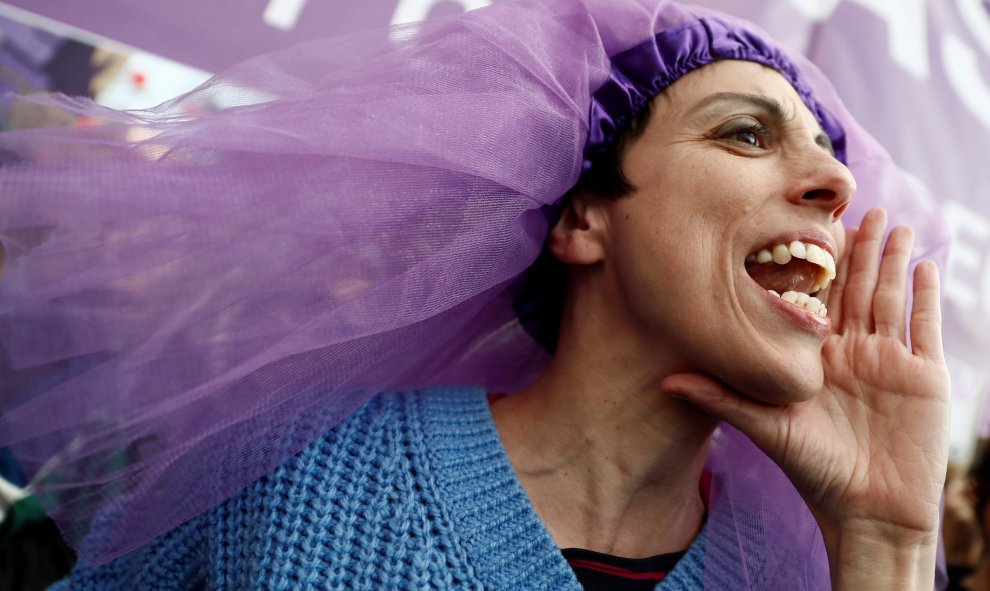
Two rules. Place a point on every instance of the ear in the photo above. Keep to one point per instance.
(579, 236)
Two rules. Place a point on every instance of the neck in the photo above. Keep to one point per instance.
(609, 462)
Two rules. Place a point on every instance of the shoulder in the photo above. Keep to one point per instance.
(390, 420)
(389, 426)
(170, 562)
(366, 489)
(365, 474)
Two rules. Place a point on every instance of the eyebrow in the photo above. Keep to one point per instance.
(767, 104)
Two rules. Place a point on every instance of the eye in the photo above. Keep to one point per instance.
(748, 136)
(748, 132)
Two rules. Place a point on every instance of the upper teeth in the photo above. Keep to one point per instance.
(783, 253)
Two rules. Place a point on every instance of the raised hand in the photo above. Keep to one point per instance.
(869, 452)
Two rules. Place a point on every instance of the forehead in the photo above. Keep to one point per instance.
(734, 76)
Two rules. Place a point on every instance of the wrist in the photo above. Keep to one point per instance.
(868, 555)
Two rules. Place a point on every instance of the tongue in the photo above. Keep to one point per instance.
(797, 275)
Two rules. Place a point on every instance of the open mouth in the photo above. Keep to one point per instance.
(796, 272)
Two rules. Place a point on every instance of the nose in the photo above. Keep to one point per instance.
(824, 182)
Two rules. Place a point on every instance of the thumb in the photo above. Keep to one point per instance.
(762, 423)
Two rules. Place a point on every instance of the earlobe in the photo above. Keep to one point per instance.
(579, 236)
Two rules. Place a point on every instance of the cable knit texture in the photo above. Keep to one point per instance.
(414, 491)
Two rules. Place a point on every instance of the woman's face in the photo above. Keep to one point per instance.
(732, 164)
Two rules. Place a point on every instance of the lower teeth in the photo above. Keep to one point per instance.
(803, 301)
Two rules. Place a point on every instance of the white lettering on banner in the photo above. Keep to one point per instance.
(907, 32)
(963, 72)
(970, 243)
(977, 20)
(815, 10)
(283, 14)
(408, 11)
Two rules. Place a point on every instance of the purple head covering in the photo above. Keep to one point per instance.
(640, 73)
(191, 298)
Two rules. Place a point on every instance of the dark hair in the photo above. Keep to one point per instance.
(605, 178)
(539, 303)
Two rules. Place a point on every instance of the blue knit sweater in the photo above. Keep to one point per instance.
(414, 491)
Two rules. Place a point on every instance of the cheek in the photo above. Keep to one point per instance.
(731, 188)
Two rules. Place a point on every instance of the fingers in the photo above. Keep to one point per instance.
(871, 291)
(861, 282)
(763, 424)
(890, 297)
(926, 315)
(833, 295)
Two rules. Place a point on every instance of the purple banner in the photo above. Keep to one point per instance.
(215, 34)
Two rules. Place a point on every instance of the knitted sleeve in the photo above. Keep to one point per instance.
(174, 561)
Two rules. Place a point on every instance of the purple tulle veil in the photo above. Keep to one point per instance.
(191, 295)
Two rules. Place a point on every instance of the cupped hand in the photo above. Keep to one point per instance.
(868, 453)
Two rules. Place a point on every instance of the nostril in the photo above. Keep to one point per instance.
(837, 214)
(822, 194)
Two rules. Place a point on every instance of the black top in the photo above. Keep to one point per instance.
(604, 572)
